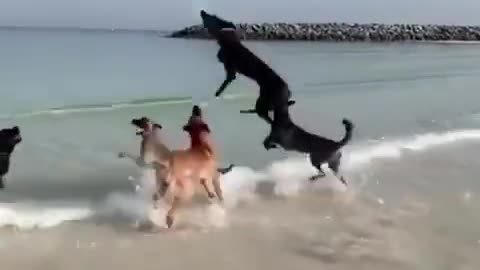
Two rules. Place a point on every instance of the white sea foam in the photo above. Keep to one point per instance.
(286, 178)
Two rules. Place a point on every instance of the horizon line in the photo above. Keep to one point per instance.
(80, 28)
(166, 31)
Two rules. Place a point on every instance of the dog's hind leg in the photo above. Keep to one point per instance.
(2, 185)
(334, 165)
(317, 163)
(289, 103)
(180, 191)
(156, 198)
(207, 184)
(159, 192)
(262, 109)
(217, 187)
(162, 188)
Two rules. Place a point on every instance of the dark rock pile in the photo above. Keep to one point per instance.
(343, 32)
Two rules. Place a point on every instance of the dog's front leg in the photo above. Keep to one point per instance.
(221, 56)
(128, 155)
(171, 212)
(231, 75)
(138, 160)
(207, 185)
(224, 85)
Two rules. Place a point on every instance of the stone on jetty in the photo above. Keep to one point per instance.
(343, 32)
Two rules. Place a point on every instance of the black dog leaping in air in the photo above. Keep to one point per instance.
(291, 137)
(236, 58)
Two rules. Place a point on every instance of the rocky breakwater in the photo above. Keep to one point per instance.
(343, 32)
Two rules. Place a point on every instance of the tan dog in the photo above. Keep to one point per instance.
(152, 151)
(190, 167)
(196, 163)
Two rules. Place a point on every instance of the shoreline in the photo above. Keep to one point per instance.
(342, 32)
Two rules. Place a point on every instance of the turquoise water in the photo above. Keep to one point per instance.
(415, 106)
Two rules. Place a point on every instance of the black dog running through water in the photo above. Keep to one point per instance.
(9, 138)
(291, 137)
(236, 58)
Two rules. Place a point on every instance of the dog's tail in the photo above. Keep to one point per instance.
(226, 170)
(348, 131)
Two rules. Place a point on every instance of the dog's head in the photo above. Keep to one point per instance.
(145, 125)
(9, 138)
(195, 124)
(196, 111)
(215, 24)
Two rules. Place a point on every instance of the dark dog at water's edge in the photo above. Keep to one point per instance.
(291, 137)
(342, 32)
(9, 138)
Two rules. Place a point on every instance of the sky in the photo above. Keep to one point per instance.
(174, 14)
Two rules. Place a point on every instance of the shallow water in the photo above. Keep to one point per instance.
(412, 202)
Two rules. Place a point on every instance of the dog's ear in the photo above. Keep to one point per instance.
(205, 127)
(155, 125)
(187, 128)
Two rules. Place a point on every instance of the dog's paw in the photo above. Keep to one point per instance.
(269, 146)
(122, 155)
(266, 145)
(140, 162)
(315, 177)
(211, 195)
(169, 221)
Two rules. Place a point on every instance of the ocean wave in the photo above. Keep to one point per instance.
(358, 156)
(282, 178)
(393, 79)
(475, 116)
(100, 107)
(29, 215)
